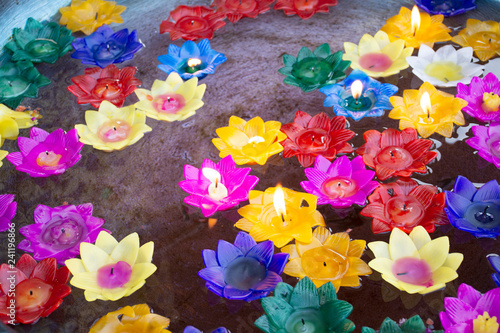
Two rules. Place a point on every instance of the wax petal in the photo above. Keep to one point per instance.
(127, 249)
(489, 302)
(227, 252)
(400, 245)
(278, 262)
(93, 257)
(277, 310)
(490, 190)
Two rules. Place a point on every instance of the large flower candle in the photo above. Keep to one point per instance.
(8, 208)
(308, 137)
(428, 110)
(305, 9)
(482, 36)
(11, 121)
(415, 263)
(110, 270)
(482, 96)
(280, 215)
(38, 289)
(416, 28)
(235, 10)
(487, 142)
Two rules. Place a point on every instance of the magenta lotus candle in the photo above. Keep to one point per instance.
(44, 154)
(217, 186)
(8, 209)
(487, 142)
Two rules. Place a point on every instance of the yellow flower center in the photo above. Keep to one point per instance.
(485, 40)
(324, 263)
(491, 102)
(444, 71)
(485, 324)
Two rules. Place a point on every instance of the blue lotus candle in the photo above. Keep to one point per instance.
(446, 7)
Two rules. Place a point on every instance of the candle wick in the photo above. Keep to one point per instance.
(303, 322)
(489, 40)
(63, 231)
(96, 16)
(404, 206)
(107, 86)
(112, 271)
(168, 99)
(446, 80)
(392, 154)
(338, 184)
(282, 218)
(485, 209)
(192, 22)
(10, 83)
(46, 153)
(114, 128)
(312, 138)
(324, 263)
(402, 273)
(216, 182)
(107, 47)
(31, 292)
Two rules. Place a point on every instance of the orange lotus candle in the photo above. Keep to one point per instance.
(428, 110)
(482, 36)
(416, 28)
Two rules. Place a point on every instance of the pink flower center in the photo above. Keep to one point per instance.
(48, 159)
(405, 211)
(169, 103)
(413, 271)
(114, 275)
(114, 131)
(394, 158)
(339, 187)
(375, 62)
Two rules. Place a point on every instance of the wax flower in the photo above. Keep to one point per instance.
(280, 215)
(88, 15)
(365, 98)
(105, 47)
(192, 329)
(44, 154)
(243, 271)
(191, 23)
(393, 153)
(8, 208)
(476, 211)
(487, 142)
(446, 7)
(216, 187)
(304, 8)
(471, 311)
(235, 10)
(494, 261)
(112, 128)
(11, 121)
(446, 67)
(416, 28)
(482, 96)
(413, 263)
(428, 110)
(39, 42)
(104, 84)
(308, 137)
(482, 36)
(58, 232)
(136, 318)
(191, 59)
(377, 56)
(305, 308)
(411, 325)
(110, 270)
(404, 204)
(172, 99)
(313, 70)
(39, 289)
(328, 258)
(251, 142)
(342, 183)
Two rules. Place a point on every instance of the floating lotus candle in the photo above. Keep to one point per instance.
(38, 289)
(8, 208)
(191, 59)
(110, 270)
(482, 96)
(105, 47)
(308, 137)
(393, 153)
(428, 110)
(416, 28)
(109, 84)
(377, 56)
(112, 128)
(44, 154)
(251, 142)
(191, 23)
(218, 186)
(342, 183)
(304, 8)
(39, 42)
(471, 311)
(136, 318)
(482, 36)
(413, 324)
(476, 211)
(191, 329)
(446, 7)
(313, 70)
(88, 15)
(487, 142)
(243, 271)
(404, 204)
(494, 261)
(328, 258)
(58, 232)
(359, 96)
(11, 121)
(446, 67)
(414, 263)
(235, 10)
(305, 309)
(172, 99)
(280, 215)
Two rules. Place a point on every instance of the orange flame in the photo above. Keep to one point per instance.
(279, 201)
(356, 89)
(415, 19)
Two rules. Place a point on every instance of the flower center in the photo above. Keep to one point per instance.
(108, 50)
(444, 71)
(394, 158)
(339, 187)
(114, 131)
(169, 103)
(485, 324)
(64, 233)
(48, 159)
(483, 215)
(375, 62)
(13, 85)
(306, 321)
(324, 263)
(192, 24)
(413, 271)
(114, 275)
(32, 294)
(405, 211)
(305, 4)
(243, 273)
(42, 47)
(491, 102)
(312, 71)
(313, 140)
(107, 89)
(485, 40)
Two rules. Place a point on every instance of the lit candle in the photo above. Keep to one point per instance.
(483, 214)
(279, 202)
(405, 211)
(306, 321)
(413, 271)
(305, 4)
(169, 103)
(114, 275)
(256, 139)
(216, 190)
(48, 159)
(193, 65)
(356, 100)
(32, 294)
(415, 20)
(425, 104)
(114, 131)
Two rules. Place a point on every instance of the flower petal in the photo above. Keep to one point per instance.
(401, 245)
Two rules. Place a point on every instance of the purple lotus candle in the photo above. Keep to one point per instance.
(8, 209)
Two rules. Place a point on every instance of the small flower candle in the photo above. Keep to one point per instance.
(235, 10)
(305, 9)
(482, 96)
(487, 142)
(482, 36)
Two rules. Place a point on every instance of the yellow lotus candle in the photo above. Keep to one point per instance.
(482, 36)
(136, 318)
(428, 110)
(280, 215)
(416, 28)
(11, 121)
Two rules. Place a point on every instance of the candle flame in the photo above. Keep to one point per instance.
(279, 201)
(193, 62)
(256, 139)
(425, 103)
(356, 89)
(415, 19)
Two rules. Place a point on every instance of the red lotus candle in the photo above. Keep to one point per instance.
(236, 9)
(304, 8)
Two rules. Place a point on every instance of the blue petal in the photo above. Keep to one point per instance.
(233, 293)
(263, 252)
(388, 89)
(220, 330)
(269, 282)
(487, 192)
(218, 59)
(257, 295)
(191, 329)
(465, 225)
(244, 241)
(79, 43)
(174, 50)
(496, 278)
(494, 262)
(227, 252)
(210, 258)
(121, 36)
(215, 288)
(464, 187)
(189, 50)
(457, 203)
(213, 275)
(167, 68)
(204, 46)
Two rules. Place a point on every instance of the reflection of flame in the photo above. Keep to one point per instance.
(425, 103)
(279, 201)
(211, 223)
(415, 19)
(192, 62)
(356, 89)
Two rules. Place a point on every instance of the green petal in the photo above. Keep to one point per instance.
(22, 37)
(12, 46)
(32, 26)
(284, 291)
(12, 103)
(346, 327)
(327, 293)
(20, 55)
(389, 326)
(344, 64)
(285, 70)
(50, 31)
(289, 60)
(291, 81)
(336, 312)
(277, 310)
(263, 324)
(304, 53)
(305, 295)
(308, 88)
(322, 51)
(367, 330)
(334, 58)
(414, 325)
